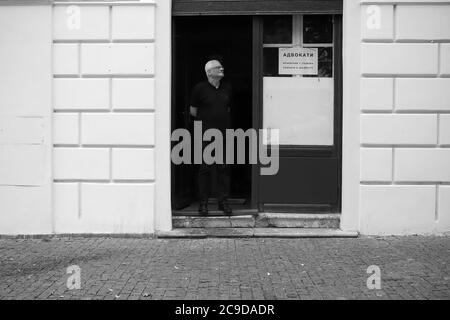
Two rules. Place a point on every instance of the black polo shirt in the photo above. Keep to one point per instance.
(213, 105)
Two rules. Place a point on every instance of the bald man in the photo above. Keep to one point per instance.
(211, 102)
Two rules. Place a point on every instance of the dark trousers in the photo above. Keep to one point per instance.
(214, 176)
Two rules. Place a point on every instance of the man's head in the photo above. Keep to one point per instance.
(214, 69)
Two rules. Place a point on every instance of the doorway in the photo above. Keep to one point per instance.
(195, 41)
(306, 107)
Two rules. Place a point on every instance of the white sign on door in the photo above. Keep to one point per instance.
(297, 60)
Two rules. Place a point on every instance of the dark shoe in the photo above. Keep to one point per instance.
(203, 208)
(223, 206)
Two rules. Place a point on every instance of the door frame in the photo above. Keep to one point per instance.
(257, 105)
(257, 96)
(257, 120)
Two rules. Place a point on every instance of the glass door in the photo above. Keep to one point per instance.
(298, 84)
(301, 97)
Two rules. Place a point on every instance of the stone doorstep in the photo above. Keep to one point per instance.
(246, 221)
(256, 233)
(261, 220)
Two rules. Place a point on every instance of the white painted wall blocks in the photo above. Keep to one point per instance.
(25, 119)
(444, 129)
(117, 59)
(22, 130)
(118, 129)
(376, 164)
(394, 209)
(132, 164)
(405, 120)
(16, 167)
(377, 93)
(443, 218)
(399, 59)
(372, 28)
(423, 22)
(130, 22)
(104, 208)
(65, 59)
(81, 163)
(422, 165)
(66, 128)
(104, 102)
(117, 208)
(104, 98)
(81, 22)
(128, 94)
(127, 23)
(445, 59)
(66, 207)
(81, 94)
(423, 94)
(395, 129)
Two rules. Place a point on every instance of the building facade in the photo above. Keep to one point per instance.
(87, 108)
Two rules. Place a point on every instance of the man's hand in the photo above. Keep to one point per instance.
(193, 111)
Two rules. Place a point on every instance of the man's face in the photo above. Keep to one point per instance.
(216, 70)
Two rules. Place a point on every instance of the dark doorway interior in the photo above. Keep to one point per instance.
(195, 41)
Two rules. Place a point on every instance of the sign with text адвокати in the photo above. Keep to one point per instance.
(297, 61)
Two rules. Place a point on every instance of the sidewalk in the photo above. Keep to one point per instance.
(413, 267)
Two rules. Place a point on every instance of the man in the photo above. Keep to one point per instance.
(211, 102)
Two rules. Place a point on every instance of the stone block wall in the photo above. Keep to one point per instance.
(404, 121)
(104, 117)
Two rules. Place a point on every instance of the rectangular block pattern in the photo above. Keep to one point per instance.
(80, 163)
(117, 59)
(377, 93)
(81, 22)
(377, 22)
(117, 208)
(103, 206)
(445, 59)
(423, 22)
(118, 129)
(419, 129)
(423, 94)
(444, 129)
(133, 22)
(133, 164)
(65, 128)
(81, 94)
(136, 94)
(443, 222)
(65, 59)
(376, 164)
(399, 59)
(423, 165)
(66, 207)
(397, 209)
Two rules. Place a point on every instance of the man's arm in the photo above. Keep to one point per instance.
(193, 111)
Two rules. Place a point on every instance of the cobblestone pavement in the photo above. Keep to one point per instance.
(413, 267)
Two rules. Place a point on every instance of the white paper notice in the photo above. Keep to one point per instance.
(297, 60)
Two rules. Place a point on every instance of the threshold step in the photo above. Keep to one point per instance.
(244, 221)
(256, 233)
(298, 220)
(260, 220)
